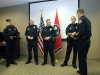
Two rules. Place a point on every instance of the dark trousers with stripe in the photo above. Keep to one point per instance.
(83, 46)
(32, 45)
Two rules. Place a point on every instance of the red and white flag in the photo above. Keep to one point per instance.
(58, 41)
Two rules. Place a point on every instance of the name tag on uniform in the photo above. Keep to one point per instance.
(76, 27)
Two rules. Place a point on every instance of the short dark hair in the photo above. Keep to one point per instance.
(47, 20)
(80, 10)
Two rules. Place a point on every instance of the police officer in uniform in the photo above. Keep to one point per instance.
(48, 35)
(31, 36)
(83, 34)
(72, 43)
(10, 33)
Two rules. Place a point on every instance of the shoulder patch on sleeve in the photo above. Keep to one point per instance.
(80, 21)
(55, 28)
(36, 26)
(15, 28)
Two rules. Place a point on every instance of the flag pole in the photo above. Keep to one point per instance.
(41, 15)
(40, 33)
(56, 60)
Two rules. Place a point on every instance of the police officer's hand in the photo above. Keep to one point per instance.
(75, 38)
(46, 38)
(29, 37)
(11, 37)
(72, 34)
(69, 34)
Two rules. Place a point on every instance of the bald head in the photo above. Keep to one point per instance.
(31, 21)
(12, 22)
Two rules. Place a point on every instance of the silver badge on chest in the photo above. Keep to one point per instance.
(9, 29)
(70, 28)
(50, 29)
(34, 27)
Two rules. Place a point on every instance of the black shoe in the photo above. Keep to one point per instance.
(62, 65)
(74, 65)
(14, 63)
(36, 63)
(53, 64)
(7, 65)
(44, 63)
(28, 62)
(78, 72)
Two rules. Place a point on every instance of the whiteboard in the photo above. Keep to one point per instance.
(66, 9)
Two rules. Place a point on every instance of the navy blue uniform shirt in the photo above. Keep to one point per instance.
(49, 32)
(32, 31)
(10, 31)
(71, 28)
(84, 28)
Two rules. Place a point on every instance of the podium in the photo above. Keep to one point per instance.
(3, 47)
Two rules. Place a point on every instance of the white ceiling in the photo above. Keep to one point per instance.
(5, 3)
